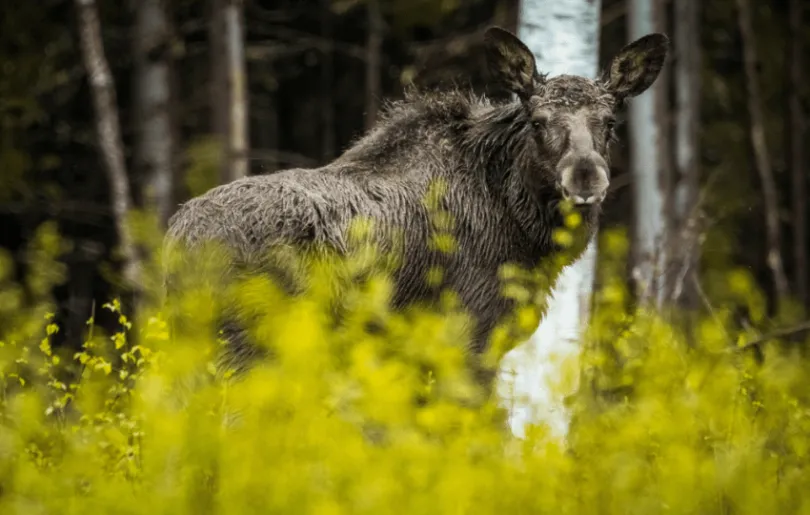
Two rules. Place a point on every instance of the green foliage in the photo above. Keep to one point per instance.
(376, 412)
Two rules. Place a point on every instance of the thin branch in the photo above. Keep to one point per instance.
(789, 331)
(109, 131)
(706, 302)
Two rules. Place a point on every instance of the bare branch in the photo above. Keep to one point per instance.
(707, 303)
(780, 333)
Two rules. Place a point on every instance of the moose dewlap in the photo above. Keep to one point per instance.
(506, 167)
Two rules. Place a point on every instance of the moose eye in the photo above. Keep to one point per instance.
(539, 121)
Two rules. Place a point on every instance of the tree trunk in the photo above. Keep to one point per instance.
(374, 41)
(687, 127)
(327, 83)
(154, 142)
(796, 160)
(109, 133)
(648, 166)
(564, 36)
(229, 86)
(760, 150)
(218, 82)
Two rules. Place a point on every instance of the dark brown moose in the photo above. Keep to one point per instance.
(506, 167)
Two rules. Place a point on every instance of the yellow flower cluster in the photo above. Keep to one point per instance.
(376, 412)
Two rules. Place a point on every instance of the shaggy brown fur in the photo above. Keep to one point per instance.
(507, 166)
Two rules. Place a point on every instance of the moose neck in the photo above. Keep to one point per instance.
(500, 147)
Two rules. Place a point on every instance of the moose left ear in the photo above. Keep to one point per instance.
(636, 66)
(510, 62)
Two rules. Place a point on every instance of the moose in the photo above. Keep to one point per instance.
(507, 166)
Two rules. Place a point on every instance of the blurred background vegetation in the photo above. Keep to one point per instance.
(316, 73)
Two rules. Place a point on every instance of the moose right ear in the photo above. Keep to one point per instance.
(636, 67)
(510, 62)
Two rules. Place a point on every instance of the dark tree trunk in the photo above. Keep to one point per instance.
(373, 50)
(796, 134)
(327, 83)
(760, 150)
(154, 142)
(687, 122)
(229, 86)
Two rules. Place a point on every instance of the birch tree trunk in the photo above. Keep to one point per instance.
(648, 162)
(109, 133)
(154, 142)
(687, 125)
(229, 86)
(759, 147)
(796, 130)
(564, 37)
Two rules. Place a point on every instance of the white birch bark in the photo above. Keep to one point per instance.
(108, 128)
(646, 151)
(564, 37)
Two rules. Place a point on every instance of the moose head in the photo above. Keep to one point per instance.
(573, 117)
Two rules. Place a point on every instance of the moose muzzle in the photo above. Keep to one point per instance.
(585, 180)
(582, 172)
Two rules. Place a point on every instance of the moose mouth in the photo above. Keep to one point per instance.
(580, 201)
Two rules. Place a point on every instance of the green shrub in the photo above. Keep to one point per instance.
(378, 414)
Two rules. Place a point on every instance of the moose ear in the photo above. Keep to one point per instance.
(510, 62)
(637, 65)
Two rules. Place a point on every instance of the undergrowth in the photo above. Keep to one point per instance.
(377, 413)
